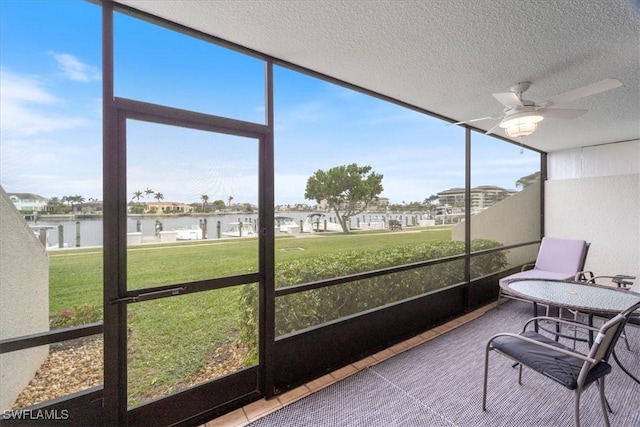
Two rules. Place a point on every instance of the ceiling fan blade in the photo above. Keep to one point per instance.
(572, 95)
(561, 113)
(508, 99)
(473, 120)
(490, 131)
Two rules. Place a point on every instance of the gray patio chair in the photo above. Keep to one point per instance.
(629, 283)
(557, 259)
(574, 370)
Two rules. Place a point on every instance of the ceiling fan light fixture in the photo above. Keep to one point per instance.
(521, 124)
(520, 129)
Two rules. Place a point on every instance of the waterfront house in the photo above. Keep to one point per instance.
(28, 202)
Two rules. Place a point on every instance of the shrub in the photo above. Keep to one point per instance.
(300, 310)
(80, 315)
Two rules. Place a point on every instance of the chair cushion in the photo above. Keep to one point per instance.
(561, 255)
(560, 367)
(537, 274)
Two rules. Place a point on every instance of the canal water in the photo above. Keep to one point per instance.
(90, 229)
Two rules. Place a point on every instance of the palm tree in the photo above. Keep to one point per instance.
(230, 199)
(148, 191)
(54, 204)
(137, 195)
(159, 196)
(205, 199)
(430, 200)
(74, 199)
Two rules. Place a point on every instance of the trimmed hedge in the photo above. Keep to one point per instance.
(304, 309)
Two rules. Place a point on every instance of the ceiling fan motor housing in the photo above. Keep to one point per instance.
(520, 87)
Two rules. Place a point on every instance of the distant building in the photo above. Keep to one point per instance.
(451, 197)
(88, 208)
(293, 207)
(526, 181)
(29, 202)
(482, 197)
(380, 204)
(167, 207)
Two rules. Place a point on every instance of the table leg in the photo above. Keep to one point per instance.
(615, 357)
(559, 310)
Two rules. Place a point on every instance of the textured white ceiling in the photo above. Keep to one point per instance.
(449, 56)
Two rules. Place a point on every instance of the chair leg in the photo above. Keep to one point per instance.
(520, 374)
(576, 409)
(603, 401)
(626, 341)
(486, 376)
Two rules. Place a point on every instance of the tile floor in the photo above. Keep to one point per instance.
(253, 411)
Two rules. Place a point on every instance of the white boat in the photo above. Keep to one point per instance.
(188, 233)
(318, 222)
(239, 229)
(286, 224)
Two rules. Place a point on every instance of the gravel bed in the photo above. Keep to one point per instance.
(67, 369)
(76, 366)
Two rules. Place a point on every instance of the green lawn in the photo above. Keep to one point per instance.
(170, 339)
(75, 276)
(332, 243)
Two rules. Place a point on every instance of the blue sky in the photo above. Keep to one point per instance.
(51, 118)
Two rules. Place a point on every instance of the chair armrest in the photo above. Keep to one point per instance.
(541, 344)
(622, 280)
(584, 276)
(557, 320)
(527, 267)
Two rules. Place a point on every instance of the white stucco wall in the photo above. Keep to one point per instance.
(513, 220)
(593, 193)
(24, 299)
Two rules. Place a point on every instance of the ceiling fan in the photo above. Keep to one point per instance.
(521, 117)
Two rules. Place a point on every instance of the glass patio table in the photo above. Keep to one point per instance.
(586, 298)
(582, 297)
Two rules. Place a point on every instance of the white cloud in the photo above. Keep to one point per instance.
(24, 88)
(74, 69)
(25, 107)
(46, 146)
